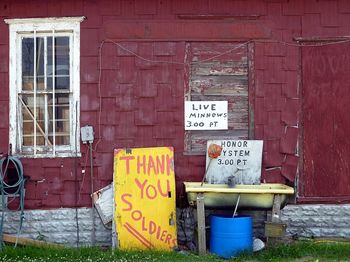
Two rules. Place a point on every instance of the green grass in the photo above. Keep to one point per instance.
(301, 251)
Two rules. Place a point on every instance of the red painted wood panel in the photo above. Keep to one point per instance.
(326, 110)
(187, 30)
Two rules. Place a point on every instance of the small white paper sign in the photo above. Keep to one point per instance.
(239, 159)
(206, 115)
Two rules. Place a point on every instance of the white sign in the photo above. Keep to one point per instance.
(240, 162)
(205, 115)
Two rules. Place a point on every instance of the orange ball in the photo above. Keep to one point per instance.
(214, 150)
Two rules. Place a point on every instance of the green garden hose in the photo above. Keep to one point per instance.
(11, 190)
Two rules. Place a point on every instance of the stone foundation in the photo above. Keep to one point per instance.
(60, 225)
(317, 220)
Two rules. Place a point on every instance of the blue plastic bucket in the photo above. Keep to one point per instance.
(230, 236)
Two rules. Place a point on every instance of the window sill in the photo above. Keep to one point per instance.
(57, 155)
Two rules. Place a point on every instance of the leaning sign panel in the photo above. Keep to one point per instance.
(144, 195)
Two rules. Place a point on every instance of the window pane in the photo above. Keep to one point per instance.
(40, 62)
(28, 57)
(61, 139)
(28, 122)
(62, 55)
(40, 119)
(29, 140)
(30, 119)
(28, 63)
(62, 119)
(60, 83)
(61, 62)
(27, 83)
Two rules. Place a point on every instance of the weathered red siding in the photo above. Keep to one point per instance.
(142, 103)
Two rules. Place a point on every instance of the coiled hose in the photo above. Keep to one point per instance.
(11, 191)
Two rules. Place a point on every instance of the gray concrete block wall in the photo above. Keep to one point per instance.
(59, 226)
(317, 220)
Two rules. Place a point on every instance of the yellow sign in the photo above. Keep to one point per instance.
(144, 194)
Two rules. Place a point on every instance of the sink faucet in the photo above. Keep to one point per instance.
(231, 181)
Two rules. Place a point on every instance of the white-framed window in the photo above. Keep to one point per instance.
(44, 86)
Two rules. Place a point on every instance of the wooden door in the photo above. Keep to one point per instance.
(326, 123)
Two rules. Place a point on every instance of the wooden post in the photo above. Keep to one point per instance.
(276, 209)
(274, 229)
(201, 224)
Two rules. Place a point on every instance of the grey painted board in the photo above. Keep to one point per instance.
(239, 158)
(103, 201)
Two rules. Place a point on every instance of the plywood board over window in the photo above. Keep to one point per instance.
(218, 72)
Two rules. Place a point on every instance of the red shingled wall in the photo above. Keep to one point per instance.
(142, 104)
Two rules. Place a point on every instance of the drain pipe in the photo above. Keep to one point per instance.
(87, 136)
(93, 233)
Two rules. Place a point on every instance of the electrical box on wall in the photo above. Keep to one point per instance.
(87, 134)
